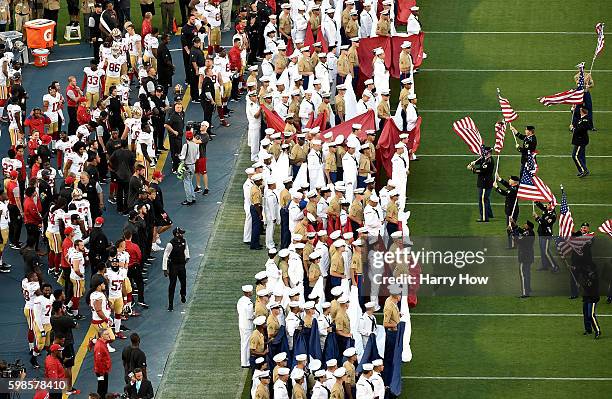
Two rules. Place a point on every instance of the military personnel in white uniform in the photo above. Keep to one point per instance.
(413, 26)
(245, 323)
(350, 165)
(271, 212)
(280, 386)
(319, 390)
(365, 387)
(367, 323)
(315, 165)
(372, 217)
(400, 168)
(246, 193)
(377, 380)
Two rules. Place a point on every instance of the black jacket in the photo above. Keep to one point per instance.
(525, 239)
(530, 143)
(581, 132)
(485, 169)
(511, 208)
(546, 221)
(165, 67)
(145, 392)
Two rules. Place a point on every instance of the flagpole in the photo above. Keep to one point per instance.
(497, 166)
(591, 70)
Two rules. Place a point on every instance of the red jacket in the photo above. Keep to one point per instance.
(37, 123)
(135, 253)
(31, 212)
(235, 61)
(11, 186)
(102, 359)
(54, 368)
(74, 89)
(66, 245)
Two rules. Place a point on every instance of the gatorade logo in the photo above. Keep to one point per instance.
(48, 35)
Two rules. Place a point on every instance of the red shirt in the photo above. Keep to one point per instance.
(146, 29)
(102, 359)
(31, 211)
(235, 61)
(34, 171)
(135, 253)
(66, 245)
(54, 368)
(32, 147)
(11, 187)
(22, 171)
(37, 123)
(71, 102)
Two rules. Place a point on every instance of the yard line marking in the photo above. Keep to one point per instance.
(416, 377)
(505, 70)
(492, 203)
(85, 58)
(503, 155)
(507, 33)
(496, 111)
(501, 314)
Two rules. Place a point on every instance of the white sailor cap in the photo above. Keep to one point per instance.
(299, 245)
(302, 357)
(308, 305)
(328, 135)
(340, 189)
(283, 371)
(406, 81)
(314, 255)
(259, 321)
(296, 195)
(322, 55)
(259, 373)
(319, 373)
(249, 171)
(369, 82)
(273, 305)
(297, 374)
(335, 234)
(261, 275)
(353, 12)
(377, 362)
(343, 299)
(272, 16)
(317, 44)
(322, 233)
(247, 288)
(294, 291)
(355, 39)
(339, 372)
(414, 8)
(311, 193)
(296, 53)
(384, 12)
(297, 237)
(366, 93)
(253, 68)
(251, 84)
(305, 48)
(314, 364)
(393, 193)
(373, 198)
(331, 363)
(311, 234)
(411, 96)
(384, 92)
(339, 243)
(359, 190)
(358, 242)
(367, 367)
(266, 155)
(275, 136)
(399, 145)
(406, 44)
(266, 141)
(263, 292)
(294, 304)
(370, 305)
(369, 179)
(301, 7)
(264, 79)
(278, 291)
(348, 352)
(362, 230)
(330, 10)
(325, 305)
(348, 235)
(286, 5)
(403, 136)
(396, 234)
(391, 183)
(283, 253)
(272, 251)
(288, 179)
(279, 357)
(379, 51)
(259, 360)
(365, 146)
(315, 141)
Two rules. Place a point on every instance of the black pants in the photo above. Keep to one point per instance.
(158, 132)
(33, 235)
(208, 108)
(184, 7)
(102, 385)
(193, 83)
(176, 143)
(235, 82)
(96, 49)
(68, 290)
(53, 16)
(15, 224)
(73, 124)
(135, 274)
(121, 195)
(175, 272)
(188, 67)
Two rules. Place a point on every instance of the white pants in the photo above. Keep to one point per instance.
(248, 226)
(401, 188)
(226, 14)
(270, 235)
(245, 334)
(253, 135)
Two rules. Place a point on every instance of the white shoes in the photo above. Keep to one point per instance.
(110, 348)
(156, 247)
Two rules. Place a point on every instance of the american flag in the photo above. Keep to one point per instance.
(606, 227)
(507, 111)
(572, 96)
(601, 41)
(566, 221)
(531, 187)
(468, 132)
(575, 243)
(500, 135)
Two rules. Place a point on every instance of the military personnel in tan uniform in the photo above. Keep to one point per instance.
(314, 57)
(252, 78)
(370, 138)
(290, 128)
(294, 105)
(346, 13)
(383, 27)
(257, 342)
(331, 170)
(299, 152)
(272, 320)
(353, 57)
(22, 10)
(405, 92)
(281, 61)
(365, 165)
(344, 65)
(355, 214)
(351, 29)
(383, 109)
(261, 308)
(284, 22)
(343, 323)
(263, 389)
(340, 104)
(391, 312)
(392, 213)
(305, 67)
(283, 263)
(405, 60)
(314, 271)
(315, 19)
(349, 366)
(337, 391)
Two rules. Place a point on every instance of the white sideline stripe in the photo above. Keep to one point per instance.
(492, 203)
(86, 58)
(506, 314)
(508, 33)
(505, 70)
(503, 155)
(497, 111)
(417, 377)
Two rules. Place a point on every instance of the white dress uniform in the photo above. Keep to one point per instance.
(364, 389)
(280, 390)
(322, 248)
(330, 30)
(367, 326)
(350, 165)
(295, 215)
(252, 108)
(323, 321)
(372, 220)
(411, 117)
(315, 168)
(245, 326)
(271, 216)
(413, 27)
(299, 27)
(399, 174)
(291, 323)
(332, 65)
(319, 391)
(361, 108)
(246, 193)
(317, 99)
(282, 109)
(306, 109)
(295, 270)
(379, 385)
(267, 69)
(365, 24)
(322, 73)
(381, 76)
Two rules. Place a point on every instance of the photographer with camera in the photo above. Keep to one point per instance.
(13, 371)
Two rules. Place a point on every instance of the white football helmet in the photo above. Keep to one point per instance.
(77, 194)
(125, 79)
(116, 49)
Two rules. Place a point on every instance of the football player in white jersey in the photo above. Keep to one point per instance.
(134, 49)
(4, 230)
(51, 108)
(145, 153)
(123, 91)
(214, 20)
(82, 207)
(41, 307)
(64, 147)
(132, 127)
(93, 78)
(13, 111)
(55, 224)
(30, 287)
(100, 309)
(10, 163)
(115, 65)
(151, 43)
(225, 74)
(76, 258)
(116, 275)
(75, 161)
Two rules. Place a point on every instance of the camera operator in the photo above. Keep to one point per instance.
(14, 370)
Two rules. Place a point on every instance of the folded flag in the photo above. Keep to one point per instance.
(572, 96)
(500, 136)
(468, 132)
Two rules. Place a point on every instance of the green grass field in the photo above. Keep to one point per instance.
(494, 346)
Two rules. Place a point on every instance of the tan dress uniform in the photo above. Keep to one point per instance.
(383, 27)
(305, 65)
(356, 263)
(285, 198)
(284, 24)
(340, 151)
(294, 108)
(344, 66)
(253, 79)
(337, 263)
(260, 309)
(337, 391)
(384, 111)
(284, 268)
(340, 107)
(314, 58)
(308, 249)
(311, 207)
(334, 208)
(392, 210)
(372, 156)
(262, 392)
(403, 97)
(275, 150)
(346, 17)
(290, 127)
(324, 107)
(257, 342)
(405, 62)
(391, 312)
(350, 372)
(298, 392)
(280, 63)
(333, 308)
(22, 9)
(314, 272)
(352, 29)
(315, 22)
(273, 326)
(353, 57)
(299, 229)
(299, 153)
(366, 196)
(356, 209)
(330, 162)
(343, 324)
(364, 165)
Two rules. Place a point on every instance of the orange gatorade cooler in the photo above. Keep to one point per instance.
(39, 33)
(41, 57)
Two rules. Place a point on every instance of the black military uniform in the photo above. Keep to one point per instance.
(511, 207)
(530, 143)
(580, 139)
(484, 167)
(525, 238)
(196, 56)
(208, 99)
(176, 256)
(98, 248)
(188, 33)
(589, 280)
(545, 227)
(254, 32)
(581, 255)
(94, 31)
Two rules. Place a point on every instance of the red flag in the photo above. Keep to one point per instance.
(367, 122)
(321, 38)
(272, 5)
(403, 11)
(468, 132)
(416, 51)
(389, 137)
(289, 47)
(365, 53)
(321, 121)
(274, 120)
(309, 38)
